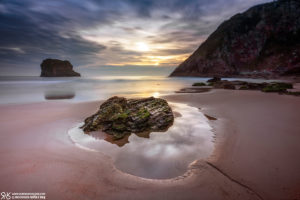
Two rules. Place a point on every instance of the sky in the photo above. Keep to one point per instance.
(107, 33)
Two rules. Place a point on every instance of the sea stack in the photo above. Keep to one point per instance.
(57, 68)
(264, 41)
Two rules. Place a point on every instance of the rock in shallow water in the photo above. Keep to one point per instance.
(119, 116)
(279, 87)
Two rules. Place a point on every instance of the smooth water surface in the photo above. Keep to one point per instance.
(38, 89)
(80, 89)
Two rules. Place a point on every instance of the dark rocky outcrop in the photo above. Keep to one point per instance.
(264, 42)
(193, 90)
(199, 84)
(214, 79)
(278, 87)
(57, 68)
(119, 116)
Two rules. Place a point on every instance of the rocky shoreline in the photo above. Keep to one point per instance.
(277, 87)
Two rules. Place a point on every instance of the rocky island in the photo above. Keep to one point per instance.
(119, 116)
(264, 41)
(57, 68)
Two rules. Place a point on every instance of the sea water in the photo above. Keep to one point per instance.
(33, 89)
(80, 89)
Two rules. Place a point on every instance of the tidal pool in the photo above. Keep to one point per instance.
(158, 155)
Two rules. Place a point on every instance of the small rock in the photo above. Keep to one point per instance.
(214, 79)
(229, 86)
(199, 84)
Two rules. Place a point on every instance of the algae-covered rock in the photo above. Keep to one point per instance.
(277, 87)
(119, 116)
(229, 86)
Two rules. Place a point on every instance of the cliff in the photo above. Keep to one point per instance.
(57, 68)
(263, 41)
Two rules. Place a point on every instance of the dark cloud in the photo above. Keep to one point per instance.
(28, 37)
(32, 30)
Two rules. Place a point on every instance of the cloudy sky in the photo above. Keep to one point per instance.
(97, 33)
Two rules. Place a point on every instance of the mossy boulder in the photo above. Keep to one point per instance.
(293, 93)
(244, 87)
(119, 116)
(229, 86)
(254, 86)
(277, 87)
(224, 84)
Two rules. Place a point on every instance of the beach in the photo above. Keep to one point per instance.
(150, 100)
(255, 155)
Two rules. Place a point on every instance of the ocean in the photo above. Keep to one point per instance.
(78, 89)
(127, 83)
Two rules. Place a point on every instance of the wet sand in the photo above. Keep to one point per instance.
(258, 138)
(256, 154)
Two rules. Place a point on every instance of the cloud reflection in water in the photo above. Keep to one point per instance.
(164, 154)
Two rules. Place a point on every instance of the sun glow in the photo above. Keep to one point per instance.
(136, 50)
(149, 60)
(141, 46)
(156, 94)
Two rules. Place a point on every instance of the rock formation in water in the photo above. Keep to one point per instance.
(119, 116)
(278, 87)
(263, 41)
(57, 68)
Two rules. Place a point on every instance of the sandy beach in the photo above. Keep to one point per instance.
(150, 100)
(256, 152)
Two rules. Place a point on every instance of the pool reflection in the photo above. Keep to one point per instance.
(158, 155)
(59, 94)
